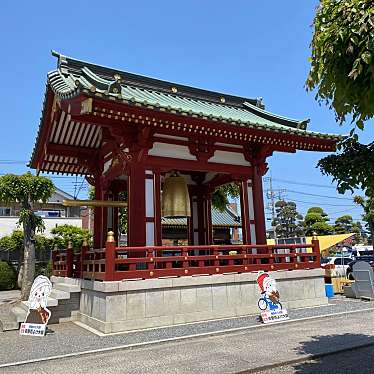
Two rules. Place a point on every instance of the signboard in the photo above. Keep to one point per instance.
(34, 329)
(38, 314)
(269, 303)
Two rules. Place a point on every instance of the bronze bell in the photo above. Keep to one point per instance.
(175, 198)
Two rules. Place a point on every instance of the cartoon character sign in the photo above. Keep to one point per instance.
(269, 299)
(38, 312)
(269, 304)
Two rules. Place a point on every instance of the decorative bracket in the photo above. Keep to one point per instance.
(202, 149)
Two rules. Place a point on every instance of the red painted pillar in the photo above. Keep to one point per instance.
(190, 223)
(244, 206)
(104, 226)
(201, 218)
(136, 207)
(157, 208)
(258, 205)
(98, 217)
(115, 218)
(208, 219)
(69, 260)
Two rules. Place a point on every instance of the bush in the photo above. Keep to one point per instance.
(8, 276)
(44, 269)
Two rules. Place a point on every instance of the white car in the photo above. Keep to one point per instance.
(340, 265)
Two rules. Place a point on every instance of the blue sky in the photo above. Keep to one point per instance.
(248, 48)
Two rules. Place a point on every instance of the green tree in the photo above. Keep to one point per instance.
(315, 221)
(368, 216)
(62, 234)
(27, 190)
(342, 75)
(7, 276)
(343, 224)
(288, 222)
(342, 58)
(360, 235)
(352, 168)
(15, 242)
(220, 197)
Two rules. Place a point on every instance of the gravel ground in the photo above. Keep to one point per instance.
(70, 338)
(235, 352)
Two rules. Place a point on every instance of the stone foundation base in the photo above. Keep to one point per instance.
(139, 304)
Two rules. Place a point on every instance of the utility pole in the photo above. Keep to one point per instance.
(273, 194)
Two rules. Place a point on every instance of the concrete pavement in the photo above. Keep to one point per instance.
(225, 353)
(355, 361)
(71, 339)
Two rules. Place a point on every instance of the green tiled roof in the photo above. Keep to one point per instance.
(73, 77)
(226, 218)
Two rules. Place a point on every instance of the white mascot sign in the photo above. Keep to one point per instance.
(38, 314)
(269, 304)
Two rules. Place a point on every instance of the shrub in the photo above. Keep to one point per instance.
(8, 276)
(44, 269)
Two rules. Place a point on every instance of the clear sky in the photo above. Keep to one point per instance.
(247, 48)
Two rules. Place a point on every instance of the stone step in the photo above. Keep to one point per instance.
(60, 295)
(67, 287)
(51, 302)
(7, 323)
(65, 280)
(23, 305)
(18, 314)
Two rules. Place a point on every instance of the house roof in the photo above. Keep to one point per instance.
(227, 218)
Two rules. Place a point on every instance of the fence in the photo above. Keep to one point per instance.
(117, 263)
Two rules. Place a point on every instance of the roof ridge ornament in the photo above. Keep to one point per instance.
(260, 102)
(62, 62)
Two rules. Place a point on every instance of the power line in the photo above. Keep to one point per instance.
(317, 195)
(314, 203)
(303, 184)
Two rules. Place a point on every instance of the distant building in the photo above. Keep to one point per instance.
(225, 224)
(53, 213)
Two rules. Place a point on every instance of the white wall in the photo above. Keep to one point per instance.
(8, 224)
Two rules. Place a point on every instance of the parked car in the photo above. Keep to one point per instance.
(338, 265)
(369, 259)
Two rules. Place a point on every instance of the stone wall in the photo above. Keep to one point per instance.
(138, 304)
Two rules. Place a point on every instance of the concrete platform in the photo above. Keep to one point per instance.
(137, 304)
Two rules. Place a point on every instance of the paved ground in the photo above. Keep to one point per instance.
(230, 352)
(6, 296)
(356, 361)
(69, 338)
(255, 346)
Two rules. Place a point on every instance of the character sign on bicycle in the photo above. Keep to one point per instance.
(269, 299)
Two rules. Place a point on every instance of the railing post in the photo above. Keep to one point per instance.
(83, 257)
(69, 259)
(316, 250)
(110, 257)
(150, 255)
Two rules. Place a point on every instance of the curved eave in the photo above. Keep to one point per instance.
(67, 88)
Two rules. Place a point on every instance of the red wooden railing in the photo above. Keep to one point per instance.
(116, 263)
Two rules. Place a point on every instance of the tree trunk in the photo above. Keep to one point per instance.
(371, 226)
(20, 267)
(29, 259)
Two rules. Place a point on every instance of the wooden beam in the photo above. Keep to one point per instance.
(94, 203)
